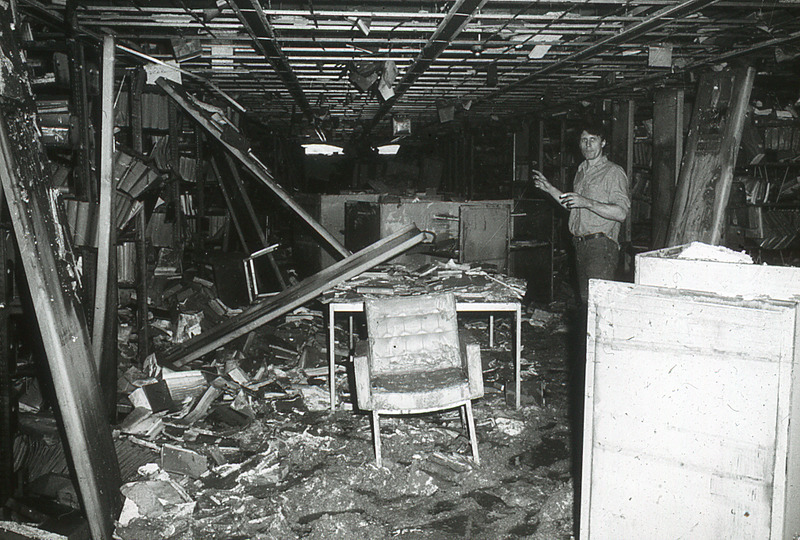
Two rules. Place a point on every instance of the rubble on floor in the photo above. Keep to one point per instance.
(243, 444)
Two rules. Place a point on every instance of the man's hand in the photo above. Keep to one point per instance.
(572, 200)
(611, 211)
(540, 181)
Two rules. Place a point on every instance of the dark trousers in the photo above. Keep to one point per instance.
(596, 258)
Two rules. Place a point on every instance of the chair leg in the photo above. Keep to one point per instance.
(376, 437)
(473, 435)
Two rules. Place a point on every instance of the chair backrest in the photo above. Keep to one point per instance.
(412, 333)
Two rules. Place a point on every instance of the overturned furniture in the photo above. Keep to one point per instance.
(415, 362)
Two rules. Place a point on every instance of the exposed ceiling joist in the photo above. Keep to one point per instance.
(549, 55)
(255, 21)
(647, 24)
(448, 29)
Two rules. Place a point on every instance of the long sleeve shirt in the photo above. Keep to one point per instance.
(605, 182)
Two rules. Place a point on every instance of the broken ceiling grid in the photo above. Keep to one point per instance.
(580, 43)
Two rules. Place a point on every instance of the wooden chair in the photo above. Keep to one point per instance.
(415, 362)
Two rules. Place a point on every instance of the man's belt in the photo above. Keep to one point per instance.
(589, 236)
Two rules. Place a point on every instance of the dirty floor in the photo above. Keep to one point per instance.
(297, 470)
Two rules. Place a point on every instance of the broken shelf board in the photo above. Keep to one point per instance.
(50, 271)
(293, 297)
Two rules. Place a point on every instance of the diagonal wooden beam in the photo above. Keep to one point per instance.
(242, 213)
(252, 16)
(250, 162)
(267, 310)
(49, 266)
(452, 25)
(652, 22)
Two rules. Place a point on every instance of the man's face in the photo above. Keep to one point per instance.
(591, 145)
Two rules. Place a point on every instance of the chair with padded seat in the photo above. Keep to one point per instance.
(415, 363)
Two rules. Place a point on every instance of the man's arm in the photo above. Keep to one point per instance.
(610, 211)
(541, 182)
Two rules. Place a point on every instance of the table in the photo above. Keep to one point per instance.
(337, 306)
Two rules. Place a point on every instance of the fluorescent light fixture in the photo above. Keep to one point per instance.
(388, 149)
(317, 149)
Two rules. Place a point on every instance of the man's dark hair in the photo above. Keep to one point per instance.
(594, 127)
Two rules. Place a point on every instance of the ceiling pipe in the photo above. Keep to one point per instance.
(450, 27)
(252, 16)
(650, 22)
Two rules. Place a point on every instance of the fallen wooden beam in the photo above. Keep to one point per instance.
(10, 530)
(242, 213)
(104, 226)
(52, 279)
(293, 297)
(249, 161)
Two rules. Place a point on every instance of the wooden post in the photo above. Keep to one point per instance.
(50, 271)
(104, 224)
(137, 84)
(143, 326)
(141, 288)
(562, 152)
(540, 147)
(7, 364)
(622, 140)
(705, 179)
(173, 150)
(79, 105)
(200, 193)
(240, 208)
(667, 138)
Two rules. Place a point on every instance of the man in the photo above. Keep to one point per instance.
(598, 206)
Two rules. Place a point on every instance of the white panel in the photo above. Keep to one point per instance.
(686, 429)
(663, 268)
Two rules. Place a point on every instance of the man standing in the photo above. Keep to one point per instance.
(598, 206)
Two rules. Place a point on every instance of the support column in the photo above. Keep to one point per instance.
(667, 145)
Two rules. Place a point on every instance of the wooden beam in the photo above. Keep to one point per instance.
(107, 189)
(79, 105)
(705, 179)
(174, 160)
(143, 345)
(141, 287)
(250, 162)
(241, 199)
(8, 395)
(667, 143)
(293, 297)
(136, 85)
(622, 143)
(51, 275)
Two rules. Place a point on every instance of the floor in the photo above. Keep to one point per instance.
(278, 464)
(297, 470)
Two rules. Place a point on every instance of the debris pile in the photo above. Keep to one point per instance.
(241, 443)
(466, 281)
